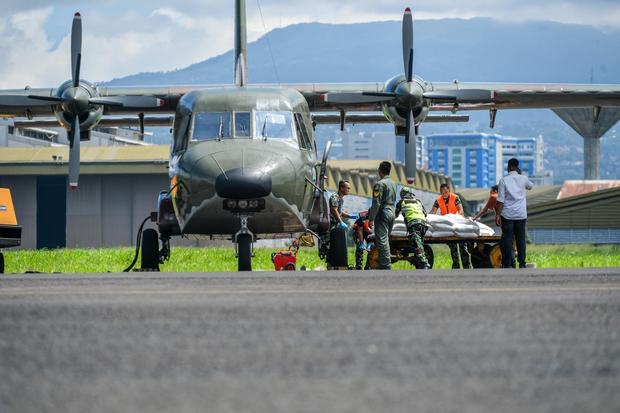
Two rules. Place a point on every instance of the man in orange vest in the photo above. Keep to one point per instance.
(449, 203)
(491, 204)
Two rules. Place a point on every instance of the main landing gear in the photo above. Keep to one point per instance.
(151, 255)
(244, 240)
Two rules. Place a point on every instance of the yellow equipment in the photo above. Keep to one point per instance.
(10, 232)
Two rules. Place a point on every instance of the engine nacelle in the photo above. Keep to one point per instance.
(411, 96)
(89, 115)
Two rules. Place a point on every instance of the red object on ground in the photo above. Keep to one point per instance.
(285, 260)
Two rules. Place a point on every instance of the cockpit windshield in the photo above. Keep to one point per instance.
(273, 125)
(224, 125)
(211, 126)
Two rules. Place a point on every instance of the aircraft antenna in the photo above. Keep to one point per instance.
(273, 61)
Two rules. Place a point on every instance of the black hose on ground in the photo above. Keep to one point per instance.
(138, 240)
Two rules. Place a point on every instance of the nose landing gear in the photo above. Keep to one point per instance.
(244, 240)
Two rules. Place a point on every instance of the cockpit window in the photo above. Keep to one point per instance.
(302, 132)
(273, 125)
(211, 126)
(242, 125)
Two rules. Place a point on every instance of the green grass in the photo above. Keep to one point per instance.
(223, 259)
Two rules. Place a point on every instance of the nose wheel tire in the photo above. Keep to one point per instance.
(150, 250)
(244, 252)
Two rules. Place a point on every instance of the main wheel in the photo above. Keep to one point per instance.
(244, 249)
(1, 263)
(150, 250)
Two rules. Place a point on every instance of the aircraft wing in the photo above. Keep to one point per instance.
(368, 97)
(477, 96)
(31, 103)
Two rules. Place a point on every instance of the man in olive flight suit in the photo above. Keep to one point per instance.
(381, 214)
(415, 220)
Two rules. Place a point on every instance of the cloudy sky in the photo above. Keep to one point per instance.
(123, 37)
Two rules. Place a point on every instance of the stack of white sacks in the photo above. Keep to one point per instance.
(451, 225)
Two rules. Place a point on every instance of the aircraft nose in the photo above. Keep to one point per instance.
(241, 183)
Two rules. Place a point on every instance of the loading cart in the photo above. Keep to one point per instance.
(485, 250)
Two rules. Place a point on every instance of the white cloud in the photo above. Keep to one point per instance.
(110, 47)
(122, 38)
(23, 43)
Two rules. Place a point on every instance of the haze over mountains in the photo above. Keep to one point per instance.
(479, 49)
(476, 50)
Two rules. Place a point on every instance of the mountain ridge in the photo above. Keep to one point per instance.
(471, 50)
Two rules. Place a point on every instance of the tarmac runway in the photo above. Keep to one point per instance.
(438, 341)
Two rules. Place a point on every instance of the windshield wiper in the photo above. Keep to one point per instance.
(221, 129)
(264, 127)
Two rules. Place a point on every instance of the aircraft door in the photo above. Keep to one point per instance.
(319, 217)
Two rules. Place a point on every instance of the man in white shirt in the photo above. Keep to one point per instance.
(512, 213)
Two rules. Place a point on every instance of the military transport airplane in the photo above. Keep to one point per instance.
(243, 161)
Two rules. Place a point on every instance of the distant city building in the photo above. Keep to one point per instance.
(368, 145)
(478, 160)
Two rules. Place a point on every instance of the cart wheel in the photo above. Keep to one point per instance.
(289, 267)
(430, 255)
(495, 256)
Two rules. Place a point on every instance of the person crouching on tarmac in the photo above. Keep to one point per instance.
(361, 232)
(415, 219)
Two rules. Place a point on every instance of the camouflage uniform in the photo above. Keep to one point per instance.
(415, 219)
(359, 242)
(335, 201)
(382, 213)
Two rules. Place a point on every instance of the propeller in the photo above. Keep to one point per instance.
(74, 100)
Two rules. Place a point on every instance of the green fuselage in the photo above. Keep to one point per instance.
(243, 144)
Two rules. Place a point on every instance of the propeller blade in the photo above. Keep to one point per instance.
(461, 95)
(74, 153)
(32, 100)
(357, 97)
(410, 148)
(408, 126)
(76, 48)
(408, 44)
(128, 101)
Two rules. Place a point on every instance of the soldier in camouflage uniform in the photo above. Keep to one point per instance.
(336, 216)
(415, 219)
(381, 214)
